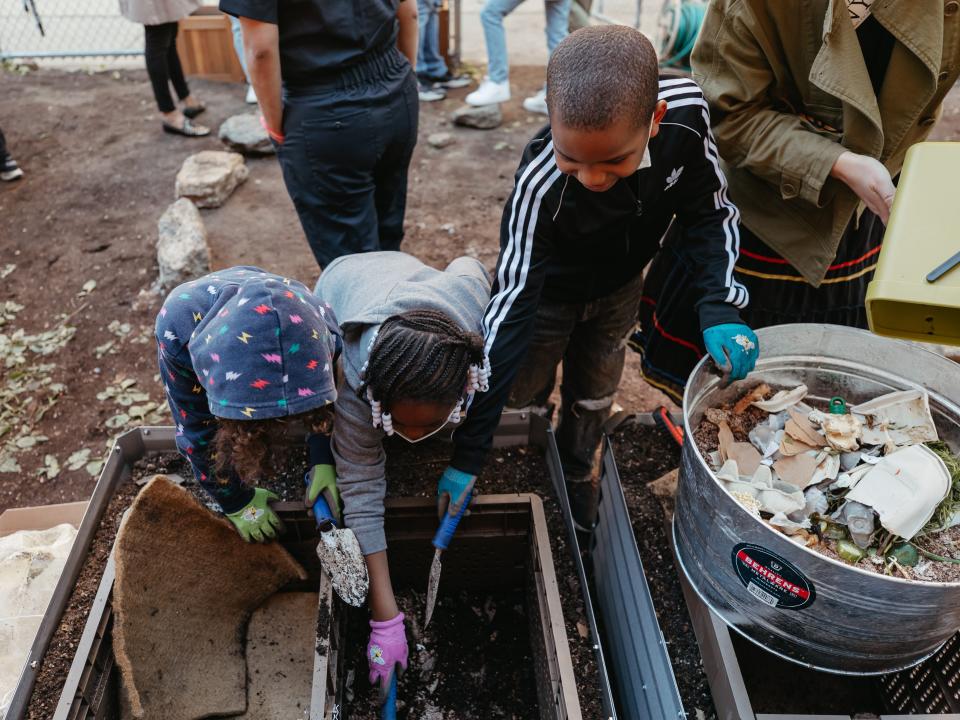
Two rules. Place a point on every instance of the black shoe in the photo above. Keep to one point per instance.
(9, 170)
(584, 497)
(448, 80)
(192, 112)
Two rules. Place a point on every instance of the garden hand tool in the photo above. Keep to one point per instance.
(661, 417)
(256, 521)
(442, 538)
(389, 709)
(386, 659)
(338, 549)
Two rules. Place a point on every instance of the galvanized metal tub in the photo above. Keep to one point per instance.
(788, 599)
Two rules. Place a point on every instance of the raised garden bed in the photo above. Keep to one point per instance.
(91, 689)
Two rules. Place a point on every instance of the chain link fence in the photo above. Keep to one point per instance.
(43, 29)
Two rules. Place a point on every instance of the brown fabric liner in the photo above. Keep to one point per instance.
(185, 588)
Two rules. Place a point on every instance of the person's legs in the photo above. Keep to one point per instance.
(538, 370)
(175, 69)
(491, 16)
(592, 366)
(328, 158)
(558, 20)
(157, 39)
(238, 44)
(398, 121)
(430, 62)
(9, 170)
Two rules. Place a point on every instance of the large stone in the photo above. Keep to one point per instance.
(182, 250)
(440, 140)
(210, 176)
(485, 117)
(246, 135)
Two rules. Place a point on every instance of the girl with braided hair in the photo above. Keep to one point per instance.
(412, 360)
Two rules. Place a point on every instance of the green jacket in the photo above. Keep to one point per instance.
(789, 92)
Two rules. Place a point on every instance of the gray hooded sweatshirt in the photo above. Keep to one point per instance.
(364, 290)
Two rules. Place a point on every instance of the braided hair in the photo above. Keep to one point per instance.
(420, 355)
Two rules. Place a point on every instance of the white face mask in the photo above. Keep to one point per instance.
(419, 439)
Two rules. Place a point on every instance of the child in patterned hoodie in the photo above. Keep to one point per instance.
(242, 354)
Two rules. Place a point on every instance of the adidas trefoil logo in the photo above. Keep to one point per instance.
(674, 178)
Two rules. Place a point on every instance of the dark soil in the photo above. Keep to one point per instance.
(59, 656)
(644, 454)
(413, 470)
(472, 663)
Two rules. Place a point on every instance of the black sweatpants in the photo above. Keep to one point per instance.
(163, 64)
(347, 146)
(3, 146)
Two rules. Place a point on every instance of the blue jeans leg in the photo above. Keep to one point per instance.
(429, 60)
(558, 21)
(238, 45)
(492, 15)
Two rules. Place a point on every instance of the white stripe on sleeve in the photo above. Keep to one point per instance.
(532, 186)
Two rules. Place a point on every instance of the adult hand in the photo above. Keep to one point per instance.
(386, 653)
(869, 179)
(454, 489)
(734, 348)
(256, 521)
(323, 479)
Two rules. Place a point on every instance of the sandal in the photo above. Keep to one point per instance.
(192, 112)
(188, 129)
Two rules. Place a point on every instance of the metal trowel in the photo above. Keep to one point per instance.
(340, 555)
(441, 540)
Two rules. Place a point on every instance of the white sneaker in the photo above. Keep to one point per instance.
(489, 93)
(537, 103)
(251, 95)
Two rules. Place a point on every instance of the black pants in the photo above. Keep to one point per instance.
(163, 64)
(3, 146)
(345, 155)
(590, 339)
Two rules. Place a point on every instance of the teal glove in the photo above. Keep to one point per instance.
(255, 521)
(734, 348)
(455, 488)
(323, 479)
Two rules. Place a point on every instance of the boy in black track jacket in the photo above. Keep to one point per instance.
(592, 200)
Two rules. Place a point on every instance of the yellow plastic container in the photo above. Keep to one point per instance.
(923, 232)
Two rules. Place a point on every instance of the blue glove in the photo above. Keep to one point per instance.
(454, 489)
(734, 348)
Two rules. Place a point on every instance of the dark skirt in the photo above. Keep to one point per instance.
(669, 338)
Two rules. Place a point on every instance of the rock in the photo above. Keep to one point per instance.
(209, 177)
(182, 250)
(441, 140)
(485, 117)
(245, 134)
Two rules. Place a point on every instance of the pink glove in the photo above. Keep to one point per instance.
(387, 649)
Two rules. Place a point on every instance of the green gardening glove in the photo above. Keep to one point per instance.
(323, 479)
(256, 521)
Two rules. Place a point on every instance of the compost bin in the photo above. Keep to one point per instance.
(835, 617)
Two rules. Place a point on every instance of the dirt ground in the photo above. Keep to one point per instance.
(99, 172)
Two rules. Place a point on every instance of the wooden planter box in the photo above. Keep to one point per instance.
(205, 44)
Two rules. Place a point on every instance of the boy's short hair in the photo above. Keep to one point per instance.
(601, 73)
